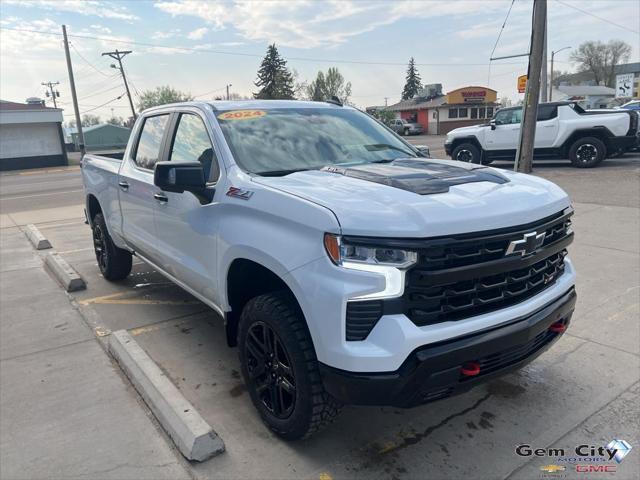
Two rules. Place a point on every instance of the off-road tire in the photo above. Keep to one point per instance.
(587, 152)
(313, 407)
(467, 152)
(114, 262)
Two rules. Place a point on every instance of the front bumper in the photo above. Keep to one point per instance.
(433, 372)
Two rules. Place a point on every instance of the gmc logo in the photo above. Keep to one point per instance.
(596, 468)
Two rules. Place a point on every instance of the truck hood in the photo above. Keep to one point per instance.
(464, 130)
(439, 197)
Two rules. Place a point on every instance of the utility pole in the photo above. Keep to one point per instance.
(228, 91)
(119, 56)
(543, 75)
(524, 154)
(553, 54)
(54, 93)
(386, 99)
(74, 96)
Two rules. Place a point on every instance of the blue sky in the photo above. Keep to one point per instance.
(451, 41)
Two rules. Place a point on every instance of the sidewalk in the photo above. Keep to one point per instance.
(65, 409)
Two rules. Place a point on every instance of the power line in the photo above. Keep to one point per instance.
(255, 55)
(87, 61)
(207, 93)
(119, 55)
(597, 16)
(100, 93)
(105, 103)
(502, 29)
(495, 45)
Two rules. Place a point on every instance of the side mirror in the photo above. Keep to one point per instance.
(179, 177)
(492, 123)
(424, 150)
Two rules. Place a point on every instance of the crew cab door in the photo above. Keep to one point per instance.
(506, 132)
(187, 230)
(547, 126)
(135, 182)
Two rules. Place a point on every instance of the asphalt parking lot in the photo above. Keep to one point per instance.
(584, 390)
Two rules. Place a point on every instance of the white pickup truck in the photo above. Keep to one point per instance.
(347, 266)
(563, 130)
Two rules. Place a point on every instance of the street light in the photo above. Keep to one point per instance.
(551, 82)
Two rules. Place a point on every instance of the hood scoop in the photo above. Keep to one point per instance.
(424, 177)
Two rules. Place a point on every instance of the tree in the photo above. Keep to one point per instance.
(327, 85)
(601, 58)
(385, 116)
(115, 121)
(89, 120)
(161, 96)
(274, 79)
(505, 102)
(413, 84)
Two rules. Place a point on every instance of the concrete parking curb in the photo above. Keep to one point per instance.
(195, 439)
(36, 238)
(64, 273)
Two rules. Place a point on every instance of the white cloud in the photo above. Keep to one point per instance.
(197, 34)
(164, 34)
(309, 24)
(82, 7)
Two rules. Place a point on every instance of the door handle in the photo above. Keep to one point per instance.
(123, 185)
(160, 197)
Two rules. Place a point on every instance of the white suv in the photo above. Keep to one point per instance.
(563, 130)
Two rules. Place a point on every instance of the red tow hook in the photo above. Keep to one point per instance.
(558, 327)
(470, 369)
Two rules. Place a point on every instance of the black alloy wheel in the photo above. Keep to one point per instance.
(100, 247)
(270, 370)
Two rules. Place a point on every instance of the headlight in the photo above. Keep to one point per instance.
(342, 253)
(391, 263)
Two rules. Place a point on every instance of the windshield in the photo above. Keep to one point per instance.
(282, 141)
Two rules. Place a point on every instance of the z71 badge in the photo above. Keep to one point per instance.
(239, 193)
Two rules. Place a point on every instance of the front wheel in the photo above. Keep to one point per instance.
(114, 263)
(587, 152)
(280, 368)
(467, 152)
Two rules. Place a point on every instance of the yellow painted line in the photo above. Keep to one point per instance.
(147, 329)
(102, 332)
(135, 301)
(115, 299)
(325, 476)
(388, 447)
(52, 170)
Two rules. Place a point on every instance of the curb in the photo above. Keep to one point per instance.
(36, 238)
(64, 273)
(195, 439)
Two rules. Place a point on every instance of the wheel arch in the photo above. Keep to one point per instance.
(601, 133)
(245, 279)
(469, 139)
(93, 207)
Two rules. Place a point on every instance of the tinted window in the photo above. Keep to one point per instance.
(453, 113)
(148, 148)
(547, 112)
(507, 117)
(278, 140)
(489, 112)
(192, 144)
(481, 112)
(462, 113)
(474, 113)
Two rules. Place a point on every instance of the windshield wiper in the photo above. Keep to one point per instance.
(385, 146)
(280, 173)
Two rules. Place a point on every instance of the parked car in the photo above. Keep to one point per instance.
(563, 130)
(403, 127)
(632, 105)
(348, 268)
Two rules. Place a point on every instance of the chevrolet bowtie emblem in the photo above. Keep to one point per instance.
(529, 244)
(553, 468)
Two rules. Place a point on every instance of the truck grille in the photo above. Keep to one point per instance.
(462, 277)
(466, 275)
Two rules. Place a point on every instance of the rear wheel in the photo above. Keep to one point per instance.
(587, 152)
(467, 152)
(280, 368)
(114, 263)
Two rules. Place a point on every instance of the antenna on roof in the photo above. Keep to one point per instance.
(335, 101)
